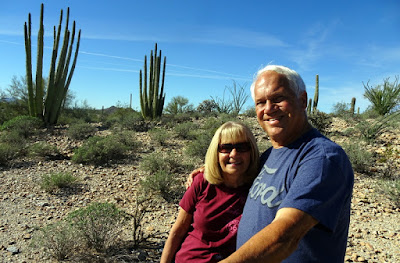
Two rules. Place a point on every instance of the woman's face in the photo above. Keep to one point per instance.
(234, 157)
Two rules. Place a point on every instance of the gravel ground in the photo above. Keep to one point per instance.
(374, 234)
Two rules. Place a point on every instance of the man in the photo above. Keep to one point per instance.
(298, 208)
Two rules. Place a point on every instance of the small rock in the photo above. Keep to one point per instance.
(13, 250)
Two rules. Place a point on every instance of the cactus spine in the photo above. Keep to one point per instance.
(352, 105)
(151, 97)
(59, 80)
(316, 94)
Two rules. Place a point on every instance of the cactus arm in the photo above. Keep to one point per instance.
(39, 68)
(27, 36)
(316, 94)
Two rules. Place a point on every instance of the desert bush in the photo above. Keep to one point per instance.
(42, 149)
(100, 150)
(81, 131)
(164, 183)
(250, 112)
(178, 105)
(359, 157)
(321, 121)
(370, 130)
(168, 161)
(58, 240)
(99, 224)
(51, 182)
(7, 152)
(140, 209)
(186, 130)
(198, 147)
(207, 108)
(159, 135)
(391, 187)
(24, 125)
(384, 97)
(10, 110)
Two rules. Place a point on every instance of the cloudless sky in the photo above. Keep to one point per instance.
(210, 44)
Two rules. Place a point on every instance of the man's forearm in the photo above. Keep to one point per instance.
(276, 241)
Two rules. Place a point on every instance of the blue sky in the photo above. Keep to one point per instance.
(210, 44)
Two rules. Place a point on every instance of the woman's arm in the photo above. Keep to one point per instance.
(176, 235)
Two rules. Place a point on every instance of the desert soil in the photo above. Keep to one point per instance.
(374, 234)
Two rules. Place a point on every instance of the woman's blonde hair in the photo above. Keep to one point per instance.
(234, 132)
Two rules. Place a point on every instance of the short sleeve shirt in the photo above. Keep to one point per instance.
(314, 175)
(216, 211)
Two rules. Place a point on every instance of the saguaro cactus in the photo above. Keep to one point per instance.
(151, 97)
(316, 94)
(59, 79)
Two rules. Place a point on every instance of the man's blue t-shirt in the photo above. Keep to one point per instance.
(314, 175)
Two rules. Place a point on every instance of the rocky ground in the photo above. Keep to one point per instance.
(374, 234)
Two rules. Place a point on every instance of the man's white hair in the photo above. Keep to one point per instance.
(296, 83)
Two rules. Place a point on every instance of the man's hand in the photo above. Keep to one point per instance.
(192, 175)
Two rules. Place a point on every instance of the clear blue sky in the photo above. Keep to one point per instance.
(209, 44)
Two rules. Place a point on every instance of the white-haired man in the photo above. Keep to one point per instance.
(298, 208)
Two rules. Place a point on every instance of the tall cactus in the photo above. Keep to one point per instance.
(352, 105)
(151, 97)
(316, 95)
(309, 107)
(49, 108)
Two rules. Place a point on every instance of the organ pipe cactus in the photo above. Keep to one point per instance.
(316, 95)
(151, 97)
(352, 105)
(60, 73)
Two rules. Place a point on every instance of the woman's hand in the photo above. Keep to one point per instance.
(192, 175)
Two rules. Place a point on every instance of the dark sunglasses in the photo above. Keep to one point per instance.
(240, 147)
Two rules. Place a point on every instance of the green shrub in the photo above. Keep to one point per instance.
(250, 112)
(198, 147)
(100, 150)
(391, 188)
(384, 97)
(42, 149)
(359, 157)
(370, 130)
(169, 161)
(51, 182)
(186, 130)
(58, 240)
(321, 121)
(159, 135)
(81, 131)
(7, 152)
(23, 125)
(99, 224)
(164, 183)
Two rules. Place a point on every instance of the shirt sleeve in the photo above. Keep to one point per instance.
(320, 188)
(193, 194)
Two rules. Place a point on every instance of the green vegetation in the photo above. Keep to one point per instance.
(59, 240)
(53, 181)
(81, 131)
(385, 98)
(99, 224)
(49, 107)
(359, 157)
(151, 97)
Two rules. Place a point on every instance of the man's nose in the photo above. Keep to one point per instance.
(268, 107)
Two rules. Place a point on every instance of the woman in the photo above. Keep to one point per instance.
(206, 226)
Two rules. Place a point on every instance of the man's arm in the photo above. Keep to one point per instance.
(276, 241)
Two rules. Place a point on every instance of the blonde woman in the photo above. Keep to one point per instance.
(210, 211)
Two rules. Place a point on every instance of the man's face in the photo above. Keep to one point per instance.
(279, 111)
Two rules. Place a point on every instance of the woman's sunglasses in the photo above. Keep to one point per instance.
(240, 147)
